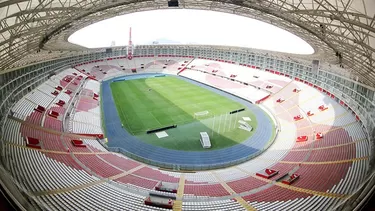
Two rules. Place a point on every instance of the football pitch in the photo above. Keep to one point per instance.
(155, 102)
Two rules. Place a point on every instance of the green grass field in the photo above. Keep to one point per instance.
(151, 103)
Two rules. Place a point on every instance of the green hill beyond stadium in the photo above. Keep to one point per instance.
(156, 102)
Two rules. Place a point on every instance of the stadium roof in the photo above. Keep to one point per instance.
(340, 31)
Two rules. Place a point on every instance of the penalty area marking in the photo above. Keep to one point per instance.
(161, 134)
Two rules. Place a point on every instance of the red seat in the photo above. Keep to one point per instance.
(309, 113)
(40, 109)
(280, 100)
(302, 138)
(319, 135)
(59, 88)
(55, 93)
(322, 108)
(60, 103)
(53, 114)
(298, 117)
(296, 90)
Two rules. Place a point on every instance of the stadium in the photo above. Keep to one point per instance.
(187, 126)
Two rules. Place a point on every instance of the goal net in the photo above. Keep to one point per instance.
(200, 114)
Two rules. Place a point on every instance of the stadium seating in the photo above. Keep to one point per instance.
(46, 163)
(241, 73)
(214, 190)
(248, 92)
(245, 184)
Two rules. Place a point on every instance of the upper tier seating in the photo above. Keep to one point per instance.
(248, 92)
(245, 74)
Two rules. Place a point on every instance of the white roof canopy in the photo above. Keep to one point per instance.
(340, 31)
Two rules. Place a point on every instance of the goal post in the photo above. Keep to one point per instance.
(200, 114)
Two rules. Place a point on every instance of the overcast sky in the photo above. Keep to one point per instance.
(189, 27)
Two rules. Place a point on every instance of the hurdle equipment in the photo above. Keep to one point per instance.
(236, 111)
(161, 129)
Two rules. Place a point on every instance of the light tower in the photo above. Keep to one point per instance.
(130, 45)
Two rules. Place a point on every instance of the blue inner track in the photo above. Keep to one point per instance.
(119, 137)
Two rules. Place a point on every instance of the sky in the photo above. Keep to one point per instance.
(182, 26)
